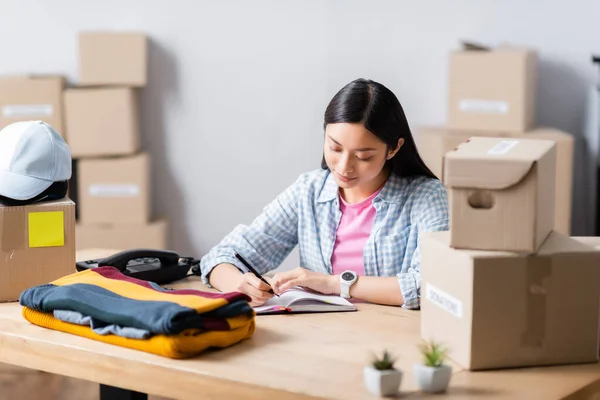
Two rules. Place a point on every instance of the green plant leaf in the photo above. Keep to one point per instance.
(434, 355)
(385, 362)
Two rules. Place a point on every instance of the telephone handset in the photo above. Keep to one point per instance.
(159, 266)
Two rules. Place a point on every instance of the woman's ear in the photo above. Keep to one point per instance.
(393, 152)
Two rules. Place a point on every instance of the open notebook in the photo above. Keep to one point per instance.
(299, 300)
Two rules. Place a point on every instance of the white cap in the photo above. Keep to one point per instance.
(32, 157)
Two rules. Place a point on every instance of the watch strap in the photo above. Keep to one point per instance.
(345, 289)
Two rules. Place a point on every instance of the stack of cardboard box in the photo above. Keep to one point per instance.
(504, 287)
(37, 241)
(113, 184)
(492, 92)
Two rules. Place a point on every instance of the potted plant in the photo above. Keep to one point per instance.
(381, 378)
(433, 375)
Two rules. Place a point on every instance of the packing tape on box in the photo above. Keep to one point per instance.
(538, 269)
(12, 230)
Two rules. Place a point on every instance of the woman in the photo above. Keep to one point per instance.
(356, 221)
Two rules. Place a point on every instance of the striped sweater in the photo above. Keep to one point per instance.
(182, 323)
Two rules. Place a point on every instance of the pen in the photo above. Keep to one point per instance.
(259, 276)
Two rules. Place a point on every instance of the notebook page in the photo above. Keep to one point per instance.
(294, 295)
(301, 295)
(277, 303)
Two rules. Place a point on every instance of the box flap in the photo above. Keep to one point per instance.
(555, 243)
(558, 243)
(60, 202)
(443, 237)
(593, 241)
(492, 163)
(511, 47)
(550, 134)
(469, 45)
(33, 77)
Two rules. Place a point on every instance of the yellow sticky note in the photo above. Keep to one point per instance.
(46, 229)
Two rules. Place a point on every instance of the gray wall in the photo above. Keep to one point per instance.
(233, 110)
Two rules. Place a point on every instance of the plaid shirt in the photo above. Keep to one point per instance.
(307, 214)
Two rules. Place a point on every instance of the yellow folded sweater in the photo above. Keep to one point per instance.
(183, 323)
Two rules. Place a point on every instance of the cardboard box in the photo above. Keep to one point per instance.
(102, 121)
(492, 89)
(114, 190)
(502, 309)
(37, 245)
(117, 59)
(122, 236)
(24, 98)
(563, 193)
(501, 193)
(434, 142)
(592, 241)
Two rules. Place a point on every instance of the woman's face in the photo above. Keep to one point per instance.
(354, 155)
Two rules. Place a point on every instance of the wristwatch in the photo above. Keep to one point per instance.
(347, 279)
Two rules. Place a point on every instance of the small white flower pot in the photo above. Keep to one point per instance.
(433, 379)
(382, 383)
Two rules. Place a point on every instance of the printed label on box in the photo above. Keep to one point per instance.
(27, 110)
(444, 300)
(125, 190)
(503, 147)
(483, 106)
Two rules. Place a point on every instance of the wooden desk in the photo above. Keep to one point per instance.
(289, 357)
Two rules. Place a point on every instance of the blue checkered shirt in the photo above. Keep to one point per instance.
(307, 214)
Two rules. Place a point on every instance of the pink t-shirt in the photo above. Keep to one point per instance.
(352, 233)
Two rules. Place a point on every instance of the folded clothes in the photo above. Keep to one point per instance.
(101, 327)
(111, 307)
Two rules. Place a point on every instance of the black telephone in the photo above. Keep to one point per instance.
(159, 266)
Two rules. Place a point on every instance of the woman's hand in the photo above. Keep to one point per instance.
(255, 288)
(323, 283)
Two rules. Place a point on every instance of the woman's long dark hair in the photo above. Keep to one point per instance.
(377, 108)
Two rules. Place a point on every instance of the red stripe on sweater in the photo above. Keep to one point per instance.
(113, 273)
(215, 324)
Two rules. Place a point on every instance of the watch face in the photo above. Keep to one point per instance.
(347, 276)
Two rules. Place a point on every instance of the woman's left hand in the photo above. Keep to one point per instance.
(317, 281)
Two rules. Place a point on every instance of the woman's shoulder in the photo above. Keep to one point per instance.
(416, 188)
(311, 179)
(313, 182)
